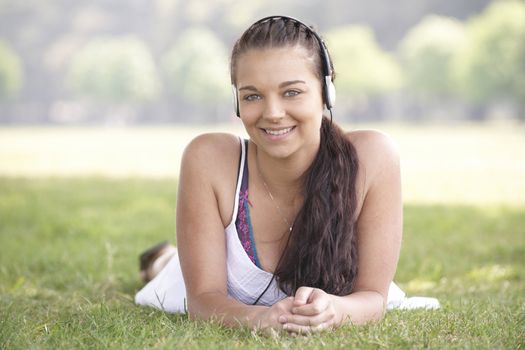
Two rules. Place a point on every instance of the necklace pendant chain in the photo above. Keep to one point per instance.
(285, 220)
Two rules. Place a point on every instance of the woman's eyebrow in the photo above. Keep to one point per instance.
(291, 82)
(248, 87)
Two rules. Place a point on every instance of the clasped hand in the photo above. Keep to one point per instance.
(310, 310)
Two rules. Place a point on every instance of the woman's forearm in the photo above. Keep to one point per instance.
(228, 311)
(360, 307)
(357, 308)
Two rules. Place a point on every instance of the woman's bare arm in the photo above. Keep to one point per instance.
(379, 227)
(379, 239)
(207, 161)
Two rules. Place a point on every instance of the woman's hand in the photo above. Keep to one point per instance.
(268, 321)
(312, 311)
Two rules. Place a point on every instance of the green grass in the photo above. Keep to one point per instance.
(69, 270)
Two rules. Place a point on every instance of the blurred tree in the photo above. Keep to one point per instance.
(37, 30)
(241, 14)
(11, 75)
(365, 74)
(362, 67)
(492, 65)
(427, 52)
(196, 68)
(114, 70)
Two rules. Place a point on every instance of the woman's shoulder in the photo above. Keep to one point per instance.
(377, 152)
(212, 145)
(210, 162)
(212, 151)
(373, 143)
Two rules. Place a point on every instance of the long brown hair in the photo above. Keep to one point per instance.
(322, 248)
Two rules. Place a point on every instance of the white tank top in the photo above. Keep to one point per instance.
(246, 281)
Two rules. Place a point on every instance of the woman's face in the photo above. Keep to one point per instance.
(280, 100)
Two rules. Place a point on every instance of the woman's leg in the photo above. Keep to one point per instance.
(153, 260)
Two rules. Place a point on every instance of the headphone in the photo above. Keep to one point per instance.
(328, 85)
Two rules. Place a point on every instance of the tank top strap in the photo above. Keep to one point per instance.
(240, 174)
(245, 174)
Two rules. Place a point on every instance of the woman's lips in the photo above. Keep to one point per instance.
(278, 132)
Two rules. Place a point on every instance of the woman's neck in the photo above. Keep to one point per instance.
(283, 176)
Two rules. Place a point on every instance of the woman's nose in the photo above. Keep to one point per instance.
(273, 110)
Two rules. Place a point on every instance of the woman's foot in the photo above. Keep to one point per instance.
(153, 260)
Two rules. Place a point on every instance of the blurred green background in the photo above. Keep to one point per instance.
(118, 88)
(162, 61)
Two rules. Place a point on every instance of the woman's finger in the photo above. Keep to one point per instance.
(302, 296)
(313, 321)
(299, 329)
(318, 302)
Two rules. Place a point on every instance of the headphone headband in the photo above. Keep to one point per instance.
(327, 69)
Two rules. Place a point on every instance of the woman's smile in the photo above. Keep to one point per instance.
(278, 133)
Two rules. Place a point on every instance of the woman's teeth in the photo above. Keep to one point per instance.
(278, 132)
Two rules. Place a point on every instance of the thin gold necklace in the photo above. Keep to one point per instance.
(285, 220)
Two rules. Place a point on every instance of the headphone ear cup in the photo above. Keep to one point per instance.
(235, 101)
(330, 94)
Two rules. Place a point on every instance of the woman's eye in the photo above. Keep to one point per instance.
(291, 93)
(252, 97)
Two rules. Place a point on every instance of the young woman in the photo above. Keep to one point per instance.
(297, 228)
